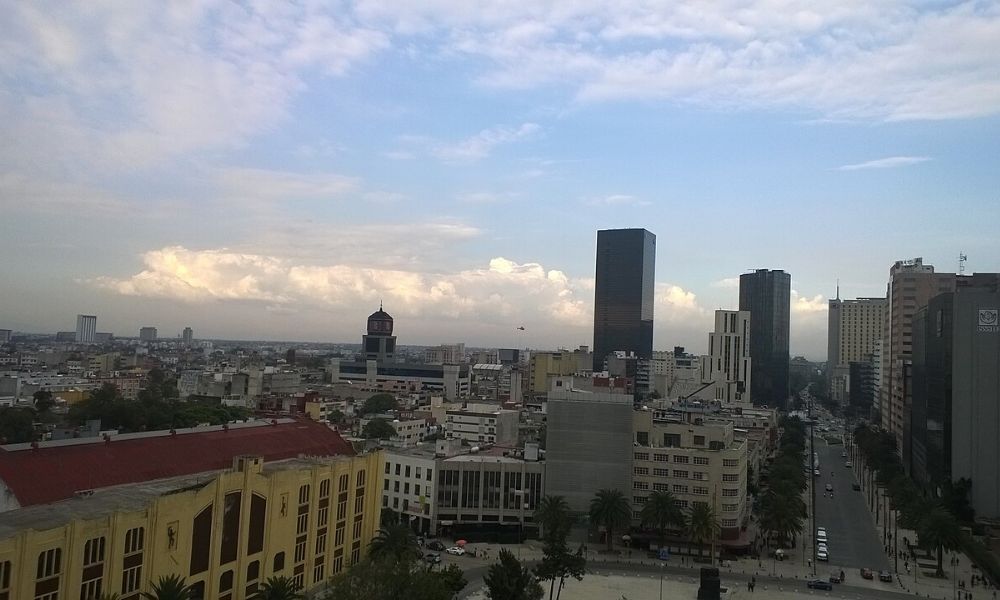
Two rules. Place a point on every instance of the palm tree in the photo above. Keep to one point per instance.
(938, 530)
(171, 587)
(508, 580)
(610, 508)
(552, 513)
(703, 525)
(278, 588)
(662, 512)
(395, 541)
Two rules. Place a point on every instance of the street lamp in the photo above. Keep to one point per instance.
(662, 568)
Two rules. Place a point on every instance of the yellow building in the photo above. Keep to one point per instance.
(543, 366)
(225, 531)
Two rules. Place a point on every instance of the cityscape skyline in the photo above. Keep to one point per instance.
(290, 168)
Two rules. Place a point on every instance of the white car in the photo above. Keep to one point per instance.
(843, 455)
(822, 555)
(456, 551)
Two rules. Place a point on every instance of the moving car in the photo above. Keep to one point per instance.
(819, 584)
(856, 487)
(822, 555)
(815, 472)
(829, 487)
(835, 577)
(885, 576)
(843, 455)
(848, 464)
(436, 545)
(867, 573)
(456, 551)
(433, 558)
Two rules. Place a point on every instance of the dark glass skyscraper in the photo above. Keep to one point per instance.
(623, 293)
(767, 295)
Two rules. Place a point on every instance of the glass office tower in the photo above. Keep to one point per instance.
(623, 294)
(767, 295)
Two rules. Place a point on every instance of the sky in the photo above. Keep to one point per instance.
(274, 170)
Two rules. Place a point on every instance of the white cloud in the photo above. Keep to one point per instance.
(885, 163)
(485, 197)
(728, 283)
(480, 145)
(618, 200)
(806, 305)
(281, 185)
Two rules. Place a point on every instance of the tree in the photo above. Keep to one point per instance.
(388, 579)
(170, 587)
(661, 512)
(395, 541)
(552, 513)
(43, 400)
(17, 425)
(379, 403)
(559, 563)
(388, 517)
(938, 530)
(335, 416)
(378, 429)
(508, 580)
(703, 525)
(609, 508)
(453, 578)
(278, 588)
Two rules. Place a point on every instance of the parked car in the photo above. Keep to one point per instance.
(455, 551)
(856, 487)
(433, 558)
(829, 487)
(819, 584)
(436, 545)
(835, 577)
(843, 455)
(885, 576)
(848, 464)
(867, 573)
(815, 472)
(822, 555)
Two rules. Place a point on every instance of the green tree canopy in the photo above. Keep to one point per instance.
(43, 400)
(387, 579)
(278, 588)
(17, 425)
(507, 579)
(609, 508)
(703, 523)
(395, 542)
(661, 512)
(170, 587)
(378, 429)
(379, 403)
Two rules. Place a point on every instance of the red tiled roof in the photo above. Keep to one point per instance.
(51, 473)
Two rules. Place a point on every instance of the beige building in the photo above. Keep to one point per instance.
(544, 366)
(854, 328)
(482, 424)
(911, 285)
(694, 458)
(727, 366)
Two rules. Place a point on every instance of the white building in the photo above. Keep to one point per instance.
(482, 424)
(445, 354)
(727, 366)
(86, 328)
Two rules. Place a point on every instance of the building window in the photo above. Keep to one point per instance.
(661, 487)
(640, 455)
(729, 477)
(641, 470)
(730, 492)
(661, 457)
(640, 485)
(700, 491)
(729, 522)
(321, 543)
(730, 462)
(680, 460)
(399, 469)
(680, 489)
(132, 561)
(279, 562)
(47, 574)
(226, 581)
(387, 468)
(93, 569)
(680, 474)
(699, 440)
(730, 507)
(639, 500)
(698, 475)
(407, 471)
(5, 580)
(429, 471)
(318, 573)
(661, 472)
(701, 460)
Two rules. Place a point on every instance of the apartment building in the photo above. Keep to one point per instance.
(694, 458)
(854, 327)
(482, 424)
(543, 366)
(727, 366)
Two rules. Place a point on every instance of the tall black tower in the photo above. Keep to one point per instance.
(623, 293)
(767, 295)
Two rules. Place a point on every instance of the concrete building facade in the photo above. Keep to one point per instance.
(86, 329)
(854, 327)
(588, 444)
(728, 365)
(911, 285)
(147, 334)
(482, 424)
(623, 294)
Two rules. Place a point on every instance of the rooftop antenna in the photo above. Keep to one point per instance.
(838, 288)
(962, 257)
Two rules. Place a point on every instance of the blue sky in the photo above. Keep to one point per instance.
(273, 170)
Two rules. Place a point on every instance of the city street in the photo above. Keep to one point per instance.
(853, 540)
